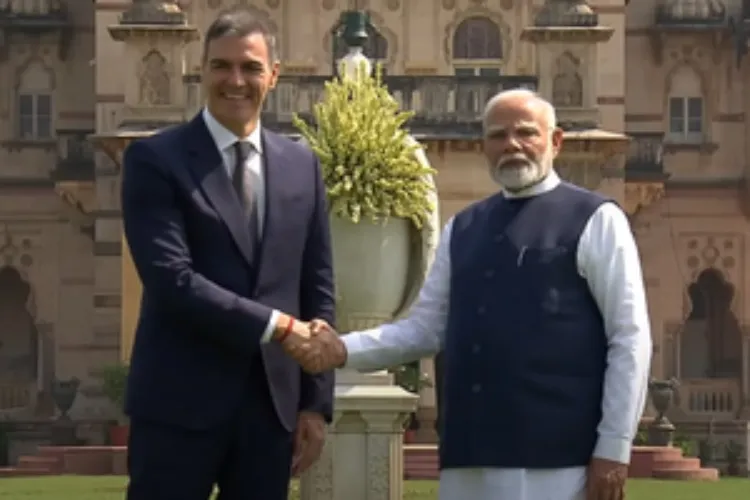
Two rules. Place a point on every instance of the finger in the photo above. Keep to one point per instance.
(309, 457)
(591, 489)
(318, 326)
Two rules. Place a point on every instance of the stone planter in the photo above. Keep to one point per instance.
(371, 265)
(661, 430)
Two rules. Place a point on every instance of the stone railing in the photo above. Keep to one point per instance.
(31, 7)
(443, 105)
(710, 398)
(15, 397)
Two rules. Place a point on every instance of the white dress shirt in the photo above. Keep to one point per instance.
(608, 260)
(225, 140)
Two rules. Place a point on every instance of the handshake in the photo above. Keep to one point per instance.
(315, 345)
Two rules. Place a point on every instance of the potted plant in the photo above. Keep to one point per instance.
(114, 380)
(382, 199)
(734, 456)
(411, 379)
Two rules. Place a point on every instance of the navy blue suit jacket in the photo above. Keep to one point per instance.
(208, 292)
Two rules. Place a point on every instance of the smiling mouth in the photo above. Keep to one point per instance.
(234, 97)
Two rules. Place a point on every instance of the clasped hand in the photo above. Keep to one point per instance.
(315, 346)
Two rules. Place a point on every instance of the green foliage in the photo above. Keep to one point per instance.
(686, 444)
(368, 162)
(410, 378)
(114, 380)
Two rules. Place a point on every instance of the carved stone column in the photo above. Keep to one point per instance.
(363, 458)
(427, 409)
(154, 33)
(566, 34)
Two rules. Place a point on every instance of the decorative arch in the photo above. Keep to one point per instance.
(477, 27)
(711, 340)
(686, 79)
(477, 12)
(155, 86)
(34, 68)
(19, 340)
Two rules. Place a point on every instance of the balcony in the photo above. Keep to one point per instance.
(674, 15)
(644, 162)
(35, 18)
(447, 107)
(706, 399)
(75, 157)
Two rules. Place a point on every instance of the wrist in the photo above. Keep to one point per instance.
(283, 327)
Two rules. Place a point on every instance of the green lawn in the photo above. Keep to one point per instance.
(111, 488)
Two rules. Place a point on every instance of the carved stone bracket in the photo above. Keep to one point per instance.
(717, 38)
(640, 195)
(79, 198)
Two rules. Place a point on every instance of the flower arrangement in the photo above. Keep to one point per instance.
(367, 159)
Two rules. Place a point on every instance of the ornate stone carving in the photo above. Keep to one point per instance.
(506, 4)
(567, 86)
(641, 195)
(273, 4)
(359, 4)
(155, 81)
(723, 252)
(449, 4)
(214, 4)
(329, 4)
(393, 4)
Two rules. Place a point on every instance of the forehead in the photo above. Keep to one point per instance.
(238, 48)
(514, 112)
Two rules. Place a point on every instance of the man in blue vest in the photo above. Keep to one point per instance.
(536, 301)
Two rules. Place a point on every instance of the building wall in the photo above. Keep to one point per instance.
(77, 279)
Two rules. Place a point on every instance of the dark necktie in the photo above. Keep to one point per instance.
(241, 177)
(243, 186)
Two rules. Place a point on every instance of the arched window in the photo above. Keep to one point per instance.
(686, 107)
(34, 104)
(477, 47)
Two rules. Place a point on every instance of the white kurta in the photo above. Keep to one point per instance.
(608, 260)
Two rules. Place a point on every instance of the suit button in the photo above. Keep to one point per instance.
(481, 310)
(498, 238)
(476, 388)
(475, 349)
(489, 273)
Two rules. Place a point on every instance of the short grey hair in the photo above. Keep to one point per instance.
(241, 21)
(505, 95)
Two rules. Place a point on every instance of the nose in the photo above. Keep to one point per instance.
(512, 144)
(236, 77)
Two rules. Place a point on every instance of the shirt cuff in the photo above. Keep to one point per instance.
(356, 354)
(268, 333)
(614, 449)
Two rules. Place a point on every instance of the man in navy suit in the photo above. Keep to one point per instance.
(228, 227)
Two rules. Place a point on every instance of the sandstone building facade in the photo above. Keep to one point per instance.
(670, 74)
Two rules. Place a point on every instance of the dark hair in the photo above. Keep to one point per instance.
(240, 21)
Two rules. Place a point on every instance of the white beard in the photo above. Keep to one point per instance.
(521, 175)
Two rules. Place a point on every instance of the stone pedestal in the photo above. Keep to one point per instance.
(363, 456)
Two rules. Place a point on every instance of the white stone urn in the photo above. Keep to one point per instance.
(379, 268)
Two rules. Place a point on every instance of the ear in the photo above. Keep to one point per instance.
(275, 69)
(557, 141)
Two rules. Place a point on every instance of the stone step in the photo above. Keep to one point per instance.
(688, 474)
(24, 472)
(53, 464)
(421, 462)
(677, 464)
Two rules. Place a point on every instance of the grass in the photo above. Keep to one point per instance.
(111, 488)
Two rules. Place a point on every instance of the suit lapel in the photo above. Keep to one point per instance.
(207, 166)
(273, 169)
